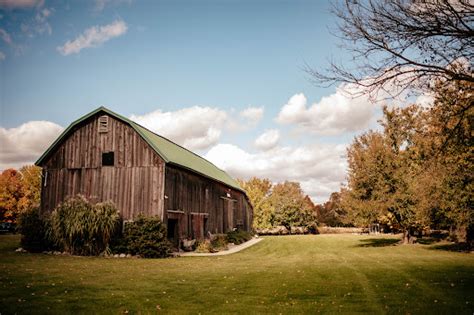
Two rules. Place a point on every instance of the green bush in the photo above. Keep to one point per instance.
(238, 237)
(219, 242)
(34, 231)
(146, 236)
(81, 228)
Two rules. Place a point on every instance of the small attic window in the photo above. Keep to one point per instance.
(103, 123)
(108, 159)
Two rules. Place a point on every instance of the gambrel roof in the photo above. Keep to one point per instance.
(169, 151)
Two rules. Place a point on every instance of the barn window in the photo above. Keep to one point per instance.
(103, 123)
(108, 159)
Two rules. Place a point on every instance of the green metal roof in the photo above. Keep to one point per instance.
(169, 151)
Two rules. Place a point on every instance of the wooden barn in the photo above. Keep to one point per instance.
(107, 157)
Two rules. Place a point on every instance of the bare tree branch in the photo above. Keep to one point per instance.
(402, 44)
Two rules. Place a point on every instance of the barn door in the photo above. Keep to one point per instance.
(228, 215)
(198, 225)
(174, 225)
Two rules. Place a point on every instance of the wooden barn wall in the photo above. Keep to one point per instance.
(134, 184)
(193, 194)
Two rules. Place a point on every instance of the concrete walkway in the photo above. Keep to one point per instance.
(233, 249)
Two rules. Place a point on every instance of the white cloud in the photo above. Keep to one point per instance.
(37, 24)
(21, 4)
(334, 114)
(196, 128)
(245, 119)
(2, 56)
(320, 168)
(93, 37)
(5, 36)
(252, 115)
(41, 21)
(267, 140)
(24, 144)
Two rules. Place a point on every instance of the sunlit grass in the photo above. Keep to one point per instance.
(289, 274)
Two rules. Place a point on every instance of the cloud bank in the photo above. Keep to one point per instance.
(333, 115)
(267, 140)
(320, 168)
(196, 128)
(24, 144)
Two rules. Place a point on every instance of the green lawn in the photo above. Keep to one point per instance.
(288, 275)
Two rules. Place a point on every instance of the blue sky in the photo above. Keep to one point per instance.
(223, 78)
(174, 54)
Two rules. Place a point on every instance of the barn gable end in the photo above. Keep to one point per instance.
(134, 182)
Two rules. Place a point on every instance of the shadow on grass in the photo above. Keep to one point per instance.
(434, 237)
(453, 247)
(378, 242)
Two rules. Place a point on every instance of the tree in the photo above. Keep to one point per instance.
(291, 206)
(370, 175)
(258, 190)
(420, 169)
(403, 44)
(31, 186)
(19, 191)
(332, 213)
(450, 142)
(10, 194)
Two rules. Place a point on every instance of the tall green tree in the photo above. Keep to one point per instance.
(259, 190)
(291, 206)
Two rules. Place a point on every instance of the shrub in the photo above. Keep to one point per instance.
(204, 246)
(34, 231)
(82, 228)
(312, 228)
(219, 242)
(238, 237)
(146, 236)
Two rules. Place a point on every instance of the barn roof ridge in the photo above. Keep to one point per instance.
(170, 152)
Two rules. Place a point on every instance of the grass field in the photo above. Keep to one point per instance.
(288, 275)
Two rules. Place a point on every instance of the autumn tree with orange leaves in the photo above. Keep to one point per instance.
(19, 191)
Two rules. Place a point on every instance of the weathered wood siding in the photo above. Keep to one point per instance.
(197, 195)
(135, 183)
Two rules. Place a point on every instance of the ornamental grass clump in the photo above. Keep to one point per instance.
(81, 228)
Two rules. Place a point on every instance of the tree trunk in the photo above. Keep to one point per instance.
(408, 236)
